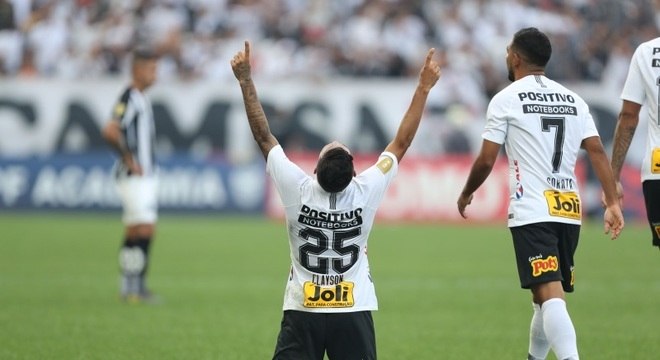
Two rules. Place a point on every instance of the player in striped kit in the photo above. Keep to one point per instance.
(543, 125)
(131, 132)
(329, 294)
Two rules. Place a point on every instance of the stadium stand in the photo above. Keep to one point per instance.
(358, 38)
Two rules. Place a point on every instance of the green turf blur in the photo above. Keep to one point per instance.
(445, 292)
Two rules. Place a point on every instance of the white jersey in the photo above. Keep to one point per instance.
(643, 87)
(328, 235)
(542, 125)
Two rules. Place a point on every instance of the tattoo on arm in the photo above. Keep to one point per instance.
(257, 118)
(622, 139)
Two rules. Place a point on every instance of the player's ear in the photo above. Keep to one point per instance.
(517, 59)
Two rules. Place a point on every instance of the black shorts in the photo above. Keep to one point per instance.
(544, 253)
(307, 336)
(651, 189)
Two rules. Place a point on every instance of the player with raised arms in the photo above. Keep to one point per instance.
(329, 294)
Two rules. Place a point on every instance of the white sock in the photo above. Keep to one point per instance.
(538, 344)
(559, 329)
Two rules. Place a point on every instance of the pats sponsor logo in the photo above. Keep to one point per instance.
(541, 266)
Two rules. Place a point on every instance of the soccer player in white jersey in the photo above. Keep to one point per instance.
(131, 133)
(642, 87)
(329, 294)
(543, 125)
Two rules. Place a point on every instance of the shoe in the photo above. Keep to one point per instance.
(145, 297)
(148, 297)
(131, 299)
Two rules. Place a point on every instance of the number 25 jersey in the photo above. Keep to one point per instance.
(541, 124)
(328, 235)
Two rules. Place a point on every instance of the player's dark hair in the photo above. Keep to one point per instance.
(533, 45)
(141, 53)
(334, 170)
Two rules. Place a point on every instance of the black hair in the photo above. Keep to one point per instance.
(533, 45)
(144, 53)
(334, 170)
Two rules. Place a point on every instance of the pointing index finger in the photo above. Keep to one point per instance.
(429, 56)
(247, 49)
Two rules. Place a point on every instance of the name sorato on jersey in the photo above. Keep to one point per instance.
(327, 220)
(547, 109)
(560, 183)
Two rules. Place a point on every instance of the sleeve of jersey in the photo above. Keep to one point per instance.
(633, 89)
(123, 111)
(378, 177)
(496, 123)
(590, 129)
(287, 176)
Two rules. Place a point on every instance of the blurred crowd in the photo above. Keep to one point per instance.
(593, 40)
(382, 38)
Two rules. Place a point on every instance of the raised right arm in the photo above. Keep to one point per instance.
(240, 64)
(428, 76)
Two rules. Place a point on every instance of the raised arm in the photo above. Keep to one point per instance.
(240, 64)
(613, 216)
(428, 76)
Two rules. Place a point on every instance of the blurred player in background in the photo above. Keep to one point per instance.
(329, 294)
(642, 86)
(543, 125)
(131, 132)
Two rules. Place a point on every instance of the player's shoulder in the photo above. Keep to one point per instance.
(125, 95)
(553, 86)
(276, 153)
(648, 48)
(120, 107)
(506, 95)
(653, 43)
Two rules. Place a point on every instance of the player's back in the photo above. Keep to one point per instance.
(545, 124)
(647, 60)
(328, 234)
(643, 87)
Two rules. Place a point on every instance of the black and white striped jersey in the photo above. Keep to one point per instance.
(135, 116)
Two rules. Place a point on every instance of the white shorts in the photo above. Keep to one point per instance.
(139, 198)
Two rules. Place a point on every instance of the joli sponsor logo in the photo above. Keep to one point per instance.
(337, 296)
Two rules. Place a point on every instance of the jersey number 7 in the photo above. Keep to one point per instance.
(558, 123)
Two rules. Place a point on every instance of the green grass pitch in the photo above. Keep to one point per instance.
(445, 291)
